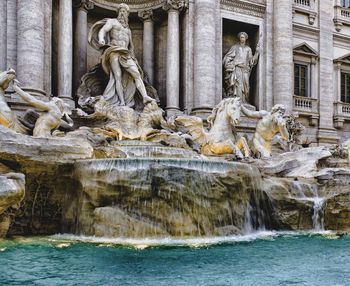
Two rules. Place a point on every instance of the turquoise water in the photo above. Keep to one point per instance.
(261, 259)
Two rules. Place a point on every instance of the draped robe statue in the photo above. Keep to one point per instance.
(238, 63)
(113, 36)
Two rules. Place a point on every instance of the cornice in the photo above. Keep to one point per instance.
(255, 8)
(135, 5)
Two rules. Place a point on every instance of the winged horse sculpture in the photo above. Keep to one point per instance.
(220, 139)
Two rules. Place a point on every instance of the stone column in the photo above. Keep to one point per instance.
(65, 52)
(204, 60)
(283, 82)
(30, 45)
(173, 56)
(11, 27)
(326, 132)
(80, 40)
(3, 34)
(148, 43)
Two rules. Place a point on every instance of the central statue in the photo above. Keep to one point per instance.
(113, 36)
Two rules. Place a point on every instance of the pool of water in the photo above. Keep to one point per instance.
(266, 258)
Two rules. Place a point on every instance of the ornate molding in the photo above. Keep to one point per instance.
(251, 8)
(135, 5)
(177, 5)
(146, 15)
(83, 4)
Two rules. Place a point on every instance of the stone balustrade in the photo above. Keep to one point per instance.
(341, 16)
(307, 7)
(341, 113)
(302, 2)
(306, 106)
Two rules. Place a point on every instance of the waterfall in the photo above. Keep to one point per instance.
(318, 215)
(258, 213)
(311, 194)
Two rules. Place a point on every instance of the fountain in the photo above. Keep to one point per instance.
(117, 167)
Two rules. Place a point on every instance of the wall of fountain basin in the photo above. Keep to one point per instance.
(162, 191)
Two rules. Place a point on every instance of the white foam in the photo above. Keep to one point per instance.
(142, 243)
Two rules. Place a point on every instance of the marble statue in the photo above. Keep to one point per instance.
(268, 126)
(113, 37)
(220, 139)
(7, 116)
(238, 64)
(51, 118)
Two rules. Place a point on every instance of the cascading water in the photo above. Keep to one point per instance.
(139, 197)
(318, 216)
(310, 193)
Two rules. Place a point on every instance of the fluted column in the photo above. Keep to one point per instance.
(204, 53)
(283, 53)
(3, 34)
(148, 43)
(65, 52)
(326, 132)
(173, 56)
(11, 34)
(80, 40)
(30, 44)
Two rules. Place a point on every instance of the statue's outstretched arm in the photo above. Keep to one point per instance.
(104, 30)
(30, 99)
(253, 114)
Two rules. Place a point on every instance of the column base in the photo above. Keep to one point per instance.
(171, 111)
(326, 136)
(35, 91)
(202, 112)
(69, 101)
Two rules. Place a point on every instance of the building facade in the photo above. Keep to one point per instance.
(304, 60)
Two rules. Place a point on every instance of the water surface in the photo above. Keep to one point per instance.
(266, 258)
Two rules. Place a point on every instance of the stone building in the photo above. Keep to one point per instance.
(304, 52)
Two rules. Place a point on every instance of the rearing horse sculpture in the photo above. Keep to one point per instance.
(220, 139)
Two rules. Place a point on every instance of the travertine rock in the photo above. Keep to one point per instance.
(302, 163)
(139, 197)
(12, 189)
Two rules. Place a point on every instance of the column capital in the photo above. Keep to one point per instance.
(146, 15)
(174, 5)
(83, 4)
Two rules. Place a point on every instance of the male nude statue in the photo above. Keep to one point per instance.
(118, 59)
(50, 119)
(7, 116)
(268, 126)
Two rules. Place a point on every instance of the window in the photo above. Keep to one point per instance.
(345, 3)
(301, 80)
(345, 87)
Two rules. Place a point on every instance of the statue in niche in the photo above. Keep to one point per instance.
(220, 139)
(238, 64)
(51, 118)
(113, 37)
(116, 94)
(268, 126)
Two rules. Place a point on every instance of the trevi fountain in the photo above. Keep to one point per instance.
(116, 189)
